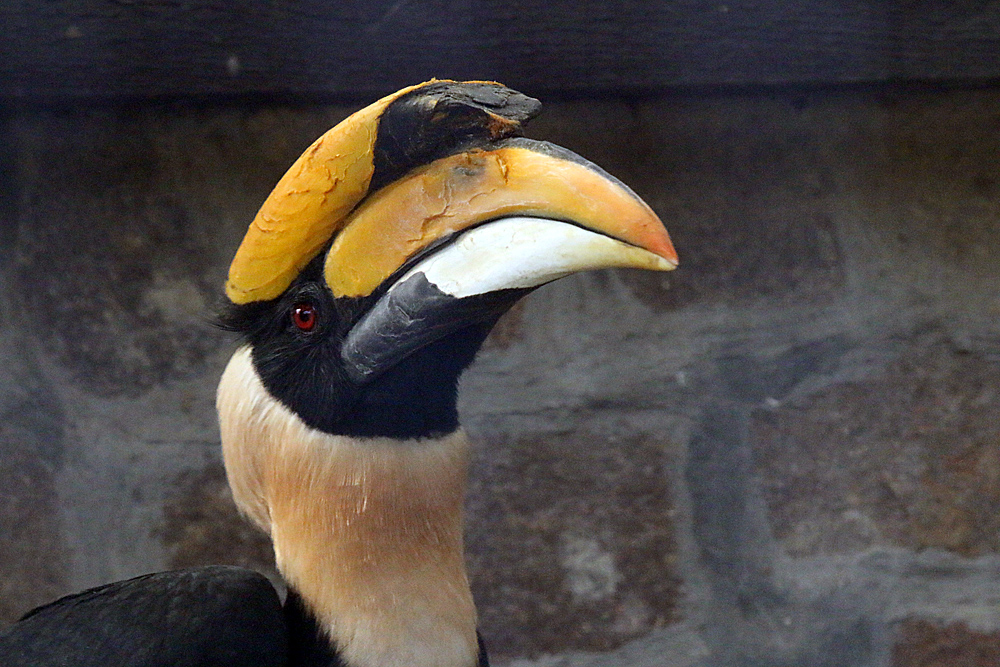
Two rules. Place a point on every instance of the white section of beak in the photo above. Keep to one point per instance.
(524, 252)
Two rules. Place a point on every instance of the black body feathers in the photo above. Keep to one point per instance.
(202, 617)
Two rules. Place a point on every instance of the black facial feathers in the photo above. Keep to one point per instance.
(414, 398)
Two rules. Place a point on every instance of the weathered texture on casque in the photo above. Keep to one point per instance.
(783, 453)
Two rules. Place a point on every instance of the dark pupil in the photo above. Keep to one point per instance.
(304, 316)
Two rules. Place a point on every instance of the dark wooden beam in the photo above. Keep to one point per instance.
(348, 49)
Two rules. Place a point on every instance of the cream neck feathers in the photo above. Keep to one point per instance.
(368, 531)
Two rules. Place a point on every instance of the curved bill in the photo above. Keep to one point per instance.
(456, 243)
(519, 178)
(474, 279)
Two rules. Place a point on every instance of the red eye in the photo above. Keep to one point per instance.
(304, 316)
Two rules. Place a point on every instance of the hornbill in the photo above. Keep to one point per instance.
(362, 289)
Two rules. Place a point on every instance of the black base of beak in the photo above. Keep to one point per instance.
(413, 314)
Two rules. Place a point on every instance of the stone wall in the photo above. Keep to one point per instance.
(787, 452)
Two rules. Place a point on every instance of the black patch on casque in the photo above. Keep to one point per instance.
(441, 119)
(415, 397)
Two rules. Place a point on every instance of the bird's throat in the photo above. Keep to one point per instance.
(368, 531)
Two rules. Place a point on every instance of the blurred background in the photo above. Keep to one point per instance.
(785, 453)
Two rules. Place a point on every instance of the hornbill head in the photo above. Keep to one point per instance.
(375, 269)
(363, 288)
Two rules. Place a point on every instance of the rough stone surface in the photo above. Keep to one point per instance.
(784, 453)
(201, 525)
(33, 549)
(571, 534)
(924, 644)
(910, 457)
(32, 546)
(136, 308)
